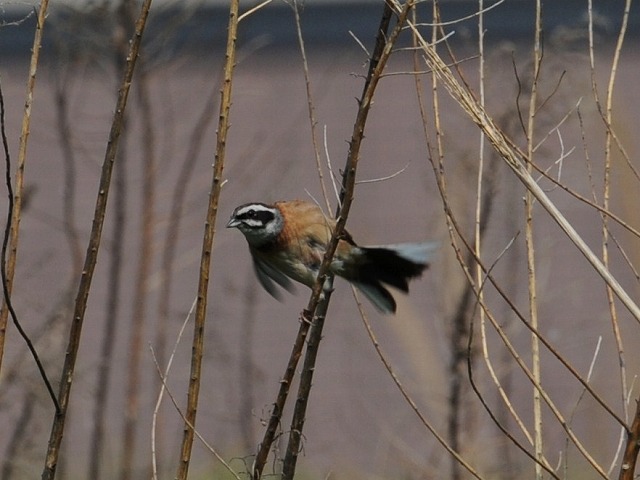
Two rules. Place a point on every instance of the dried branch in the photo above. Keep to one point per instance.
(278, 407)
(516, 160)
(316, 309)
(207, 245)
(84, 288)
(541, 462)
(628, 467)
(15, 216)
(530, 249)
(608, 121)
(455, 230)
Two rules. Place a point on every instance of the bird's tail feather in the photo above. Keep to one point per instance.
(393, 265)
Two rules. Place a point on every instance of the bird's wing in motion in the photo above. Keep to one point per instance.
(267, 275)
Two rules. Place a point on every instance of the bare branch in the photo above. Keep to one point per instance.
(516, 161)
(57, 429)
(628, 467)
(207, 245)
(316, 309)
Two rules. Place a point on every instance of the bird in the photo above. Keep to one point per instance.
(288, 239)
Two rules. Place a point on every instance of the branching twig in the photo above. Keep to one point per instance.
(540, 461)
(164, 376)
(253, 10)
(516, 160)
(405, 394)
(509, 345)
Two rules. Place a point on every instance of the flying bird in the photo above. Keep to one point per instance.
(288, 239)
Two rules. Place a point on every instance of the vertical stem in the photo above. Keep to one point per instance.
(607, 118)
(606, 196)
(479, 184)
(529, 201)
(207, 246)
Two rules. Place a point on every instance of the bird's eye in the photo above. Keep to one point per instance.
(250, 214)
(255, 217)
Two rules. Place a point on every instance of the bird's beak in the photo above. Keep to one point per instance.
(233, 222)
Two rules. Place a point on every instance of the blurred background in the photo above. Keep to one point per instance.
(358, 424)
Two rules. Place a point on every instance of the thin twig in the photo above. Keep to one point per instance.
(608, 120)
(541, 462)
(166, 388)
(456, 457)
(3, 264)
(455, 229)
(530, 248)
(164, 377)
(253, 10)
(405, 394)
(310, 104)
(359, 42)
(580, 397)
(385, 178)
(329, 167)
(479, 13)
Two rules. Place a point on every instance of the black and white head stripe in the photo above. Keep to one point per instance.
(260, 223)
(253, 215)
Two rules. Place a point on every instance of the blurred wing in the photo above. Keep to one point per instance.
(267, 275)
